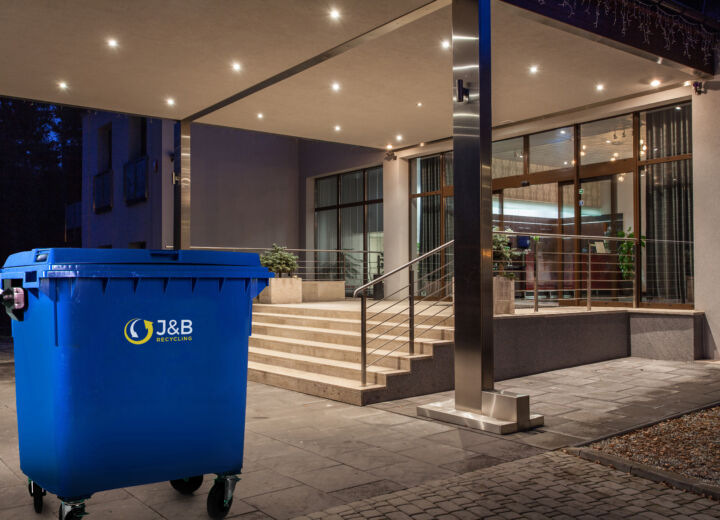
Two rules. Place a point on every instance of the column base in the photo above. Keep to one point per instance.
(503, 413)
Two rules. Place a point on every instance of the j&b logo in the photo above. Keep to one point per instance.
(162, 330)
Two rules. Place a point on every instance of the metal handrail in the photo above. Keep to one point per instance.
(218, 248)
(404, 266)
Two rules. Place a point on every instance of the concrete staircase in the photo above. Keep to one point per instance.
(316, 351)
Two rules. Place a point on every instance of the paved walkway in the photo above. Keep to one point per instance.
(306, 454)
(552, 485)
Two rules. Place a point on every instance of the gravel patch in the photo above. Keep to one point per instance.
(688, 445)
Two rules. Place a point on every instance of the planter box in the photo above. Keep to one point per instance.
(324, 291)
(282, 290)
(503, 295)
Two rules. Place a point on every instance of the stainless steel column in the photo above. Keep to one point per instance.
(472, 143)
(181, 238)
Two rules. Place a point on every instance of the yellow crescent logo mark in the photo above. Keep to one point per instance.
(131, 325)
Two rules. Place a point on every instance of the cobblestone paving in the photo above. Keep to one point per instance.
(551, 485)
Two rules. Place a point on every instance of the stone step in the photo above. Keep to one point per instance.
(390, 341)
(438, 314)
(329, 387)
(327, 367)
(385, 358)
(398, 325)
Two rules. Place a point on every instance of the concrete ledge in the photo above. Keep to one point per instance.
(670, 337)
(647, 472)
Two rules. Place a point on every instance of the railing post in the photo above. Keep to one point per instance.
(536, 297)
(411, 302)
(636, 270)
(363, 340)
(589, 278)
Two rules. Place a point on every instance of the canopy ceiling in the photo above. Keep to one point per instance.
(184, 50)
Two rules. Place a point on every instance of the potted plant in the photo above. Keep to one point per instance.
(503, 281)
(626, 253)
(281, 289)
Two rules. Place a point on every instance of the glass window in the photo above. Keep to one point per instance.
(606, 140)
(326, 192)
(666, 202)
(531, 208)
(607, 206)
(375, 183)
(375, 239)
(449, 169)
(666, 132)
(507, 158)
(552, 150)
(425, 174)
(326, 263)
(352, 188)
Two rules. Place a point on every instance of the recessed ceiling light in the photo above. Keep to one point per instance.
(612, 158)
(334, 14)
(445, 44)
(565, 163)
(584, 147)
(389, 147)
(678, 108)
(582, 154)
(236, 66)
(616, 154)
(112, 43)
(336, 86)
(398, 137)
(419, 103)
(655, 83)
(337, 128)
(562, 132)
(62, 85)
(260, 115)
(534, 69)
(170, 101)
(422, 144)
(599, 87)
(687, 83)
(608, 141)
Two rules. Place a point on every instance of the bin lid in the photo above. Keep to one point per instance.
(64, 256)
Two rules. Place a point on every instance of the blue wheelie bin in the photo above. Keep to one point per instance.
(130, 368)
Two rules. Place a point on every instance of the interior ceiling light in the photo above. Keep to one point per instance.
(337, 128)
(389, 147)
(62, 85)
(655, 83)
(687, 83)
(582, 154)
(422, 144)
(336, 86)
(608, 141)
(112, 43)
(584, 147)
(236, 66)
(419, 103)
(334, 14)
(170, 101)
(398, 137)
(534, 69)
(599, 87)
(678, 108)
(562, 132)
(445, 44)
(260, 115)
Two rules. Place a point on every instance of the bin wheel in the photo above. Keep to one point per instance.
(37, 493)
(72, 515)
(216, 506)
(187, 486)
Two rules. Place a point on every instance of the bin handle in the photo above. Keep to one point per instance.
(173, 255)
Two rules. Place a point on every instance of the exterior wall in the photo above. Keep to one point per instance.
(123, 224)
(706, 186)
(245, 188)
(396, 221)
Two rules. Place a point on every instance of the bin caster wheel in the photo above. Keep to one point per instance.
(187, 486)
(220, 498)
(71, 511)
(37, 493)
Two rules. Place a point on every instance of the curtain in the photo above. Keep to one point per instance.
(669, 208)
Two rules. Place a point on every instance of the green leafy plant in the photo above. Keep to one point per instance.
(626, 253)
(279, 260)
(502, 253)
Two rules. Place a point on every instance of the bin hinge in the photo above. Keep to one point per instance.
(15, 301)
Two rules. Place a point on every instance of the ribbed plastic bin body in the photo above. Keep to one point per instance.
(131, 365)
